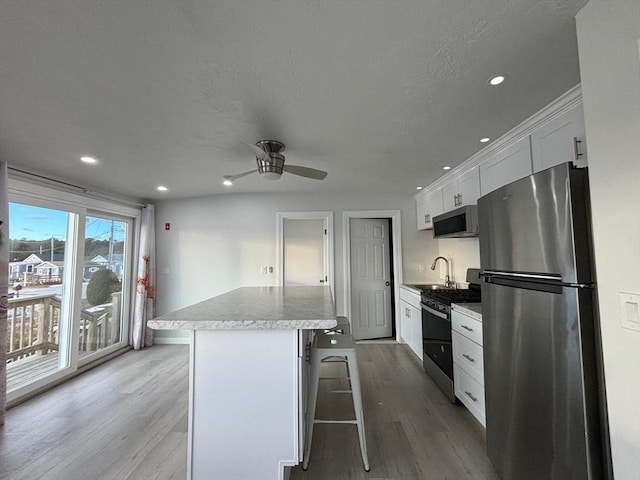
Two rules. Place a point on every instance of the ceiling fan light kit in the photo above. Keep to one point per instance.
(271, 165)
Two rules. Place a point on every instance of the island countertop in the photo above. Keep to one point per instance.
(255, 308)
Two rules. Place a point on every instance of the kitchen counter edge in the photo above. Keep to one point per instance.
(255, 308)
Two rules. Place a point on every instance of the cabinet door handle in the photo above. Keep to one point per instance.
(468, 394)
(576, 149)
(471, 359)
(469, 329)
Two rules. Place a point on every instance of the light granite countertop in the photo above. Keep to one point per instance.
(255, 308)
(473, 310)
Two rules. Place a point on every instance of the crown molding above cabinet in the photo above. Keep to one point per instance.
(553, 135)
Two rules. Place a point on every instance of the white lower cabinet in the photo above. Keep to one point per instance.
(411, 321)
(468, 362)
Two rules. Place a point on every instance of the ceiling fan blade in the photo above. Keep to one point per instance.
(258, 152)
(305, 171)
(243, 174)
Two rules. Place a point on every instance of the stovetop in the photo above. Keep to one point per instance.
(454, 295)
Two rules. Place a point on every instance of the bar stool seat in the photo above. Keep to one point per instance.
(343, 326)
(335, 345)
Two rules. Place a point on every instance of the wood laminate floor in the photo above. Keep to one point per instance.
(127, 420)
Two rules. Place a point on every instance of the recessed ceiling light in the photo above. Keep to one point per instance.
(485, 139)
(446, 167)
(161, 188)
(89, 160)
(497, 79)
(227, 182)
(418, 188)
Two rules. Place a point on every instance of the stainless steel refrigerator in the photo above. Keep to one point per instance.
(541, 356)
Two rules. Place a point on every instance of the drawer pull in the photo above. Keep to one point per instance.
(471, 359)
(468, 394)
(467, 328)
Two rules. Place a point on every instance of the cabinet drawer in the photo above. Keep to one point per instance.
(469, 356)
(410, 297)
(467, 326)
(470, 393)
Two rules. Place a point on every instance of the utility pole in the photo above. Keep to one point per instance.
(111, 248)
(52, 248)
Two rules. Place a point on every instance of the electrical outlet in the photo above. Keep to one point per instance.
(423, 268)
(263, 270)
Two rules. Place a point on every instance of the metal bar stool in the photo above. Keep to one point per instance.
(332, 345)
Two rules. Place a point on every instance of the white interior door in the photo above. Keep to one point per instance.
(304, 252)
(370, 278)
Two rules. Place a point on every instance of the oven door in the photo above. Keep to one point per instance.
(436, 339)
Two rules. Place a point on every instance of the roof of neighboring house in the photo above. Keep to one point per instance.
(115, 258)
(47, 264)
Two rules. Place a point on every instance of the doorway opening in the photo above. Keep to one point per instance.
(373, 272)
(305, 248)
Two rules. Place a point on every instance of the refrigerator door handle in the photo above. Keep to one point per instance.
(551, 279)
(523, 276)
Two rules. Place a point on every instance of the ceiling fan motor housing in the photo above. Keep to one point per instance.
(272, 169)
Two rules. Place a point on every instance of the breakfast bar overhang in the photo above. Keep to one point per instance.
(246, 378)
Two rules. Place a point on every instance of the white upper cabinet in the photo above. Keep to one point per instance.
(450, 192)
(469, 187)
(427, 207)
(508, 165)
(462, 189)
(546, 139)
(560, 140)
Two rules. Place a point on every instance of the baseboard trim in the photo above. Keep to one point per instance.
(171, 340)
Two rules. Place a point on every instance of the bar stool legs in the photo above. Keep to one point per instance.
(331, 346)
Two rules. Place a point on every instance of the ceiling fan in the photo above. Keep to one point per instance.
(271, 164)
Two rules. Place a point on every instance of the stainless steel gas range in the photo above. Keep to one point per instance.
(436, 329)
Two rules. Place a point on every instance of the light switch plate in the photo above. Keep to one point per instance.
(630, 311)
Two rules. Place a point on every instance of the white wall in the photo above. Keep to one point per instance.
(608, 41)
(218, 243)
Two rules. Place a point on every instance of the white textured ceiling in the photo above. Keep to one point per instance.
(381, 94)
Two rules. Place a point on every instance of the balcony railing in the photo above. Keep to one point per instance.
(34, 321)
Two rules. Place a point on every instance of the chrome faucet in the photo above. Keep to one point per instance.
(447, 278)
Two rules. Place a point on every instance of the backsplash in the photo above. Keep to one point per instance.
(462, 253)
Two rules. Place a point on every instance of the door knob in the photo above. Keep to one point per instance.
(321, 281)
(387, 284)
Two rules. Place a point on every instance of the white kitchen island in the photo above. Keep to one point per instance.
(246, 377)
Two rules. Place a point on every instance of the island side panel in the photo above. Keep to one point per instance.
(244, 404)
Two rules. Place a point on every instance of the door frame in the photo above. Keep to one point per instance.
(327, 218)
(396, 248)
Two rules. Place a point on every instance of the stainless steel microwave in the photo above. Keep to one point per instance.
(459, 223)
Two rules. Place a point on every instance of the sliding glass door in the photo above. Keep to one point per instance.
(39, 287)
(69, 288)
(104, 275)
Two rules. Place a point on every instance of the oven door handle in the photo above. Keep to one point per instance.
(435, 312)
